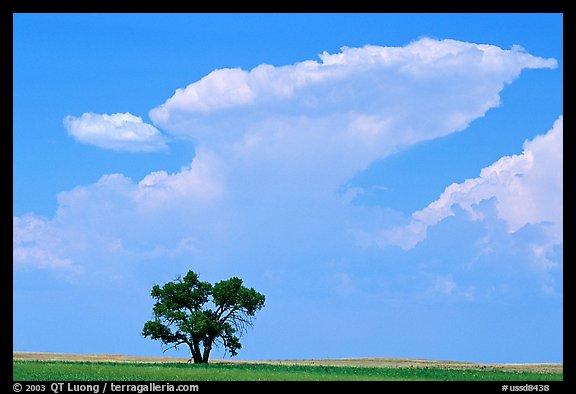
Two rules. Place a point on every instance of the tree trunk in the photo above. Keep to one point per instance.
(207, 348)
(195, 350)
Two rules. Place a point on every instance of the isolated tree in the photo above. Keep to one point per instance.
(198, 314)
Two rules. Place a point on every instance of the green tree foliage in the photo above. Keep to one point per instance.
(198, 314)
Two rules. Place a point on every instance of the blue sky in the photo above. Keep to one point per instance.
(391, 182)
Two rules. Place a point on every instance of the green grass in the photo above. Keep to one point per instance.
(114, 371)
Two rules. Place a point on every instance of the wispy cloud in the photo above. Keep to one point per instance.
(119, 132)
(36, 246)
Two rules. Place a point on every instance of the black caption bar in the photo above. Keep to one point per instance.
(112, 387)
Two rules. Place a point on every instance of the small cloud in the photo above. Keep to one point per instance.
(444, 285)
(119, 132)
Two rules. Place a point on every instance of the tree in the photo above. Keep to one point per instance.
(198, 314)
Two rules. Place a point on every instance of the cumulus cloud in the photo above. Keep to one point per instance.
(161, 215)
(120, 132)
(350, 108)
(527, 188)
(274, 145)
(346, 80)
(199, 181)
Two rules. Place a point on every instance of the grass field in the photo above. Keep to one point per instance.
(62, 367)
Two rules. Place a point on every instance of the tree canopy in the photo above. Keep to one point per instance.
(198, 314)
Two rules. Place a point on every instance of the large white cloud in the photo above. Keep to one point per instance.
(353, 106)
(121, 132)
(527, 188)
(354, 79)
(274, 145)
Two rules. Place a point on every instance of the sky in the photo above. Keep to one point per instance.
(392, 183)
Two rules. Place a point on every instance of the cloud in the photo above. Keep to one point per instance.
(162, 215)
(527, 188)
(349, 108)
(119, 132)
(356, 79)
(443, 285)
(36, 246)
(200, 181)
(274, 148)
